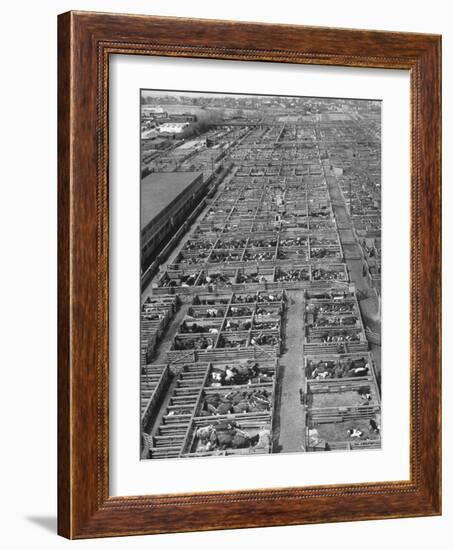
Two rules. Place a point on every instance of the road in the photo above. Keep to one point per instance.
(290, 422)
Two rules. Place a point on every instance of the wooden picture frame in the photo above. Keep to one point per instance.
(85, 41)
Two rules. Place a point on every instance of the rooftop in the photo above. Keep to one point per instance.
(159, 189)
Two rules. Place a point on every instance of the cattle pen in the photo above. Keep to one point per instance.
(255, 333)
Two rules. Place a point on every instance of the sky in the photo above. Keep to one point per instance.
(176, 93)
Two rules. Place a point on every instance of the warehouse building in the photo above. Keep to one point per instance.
(166, 199)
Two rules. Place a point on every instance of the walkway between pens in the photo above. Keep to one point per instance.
(352, 254)
(347, 238)
(290, 421)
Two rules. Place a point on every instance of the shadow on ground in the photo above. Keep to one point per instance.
(48, 523)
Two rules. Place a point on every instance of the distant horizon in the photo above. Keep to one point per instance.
(146, 92)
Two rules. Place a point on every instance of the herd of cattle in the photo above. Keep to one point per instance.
(269, 231)
(341, 393)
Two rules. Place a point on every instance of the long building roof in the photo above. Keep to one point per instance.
(159, 189)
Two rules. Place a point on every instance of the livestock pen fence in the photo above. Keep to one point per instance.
(328, 366)
(172, 433)
(223, 278)
(244, 326)
(154, 382)
(298, 195)
(236, 245)
(341, 394)
(334, 429)
(155, 315)
(360, 183)
(333, 323)
(342, 402)
(268, 228)
(265, 248)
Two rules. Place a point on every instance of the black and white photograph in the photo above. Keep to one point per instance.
(260, 237)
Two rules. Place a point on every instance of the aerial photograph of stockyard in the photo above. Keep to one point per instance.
(260, 315)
